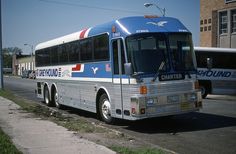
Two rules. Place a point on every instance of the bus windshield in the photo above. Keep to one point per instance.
(153, 53)
(148, 53)
(181, 52)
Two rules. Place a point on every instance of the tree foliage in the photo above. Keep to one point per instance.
(7, 55)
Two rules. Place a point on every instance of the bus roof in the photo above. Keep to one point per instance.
(213, 49)
(122, 28)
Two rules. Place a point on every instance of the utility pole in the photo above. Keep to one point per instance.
(1, 55)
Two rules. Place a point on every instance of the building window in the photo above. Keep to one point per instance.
(233, 21)
(205, 28)
(201, 22)
(209, 28)
(229, 1)
(201, 29)
(209, 21)
(205, 21)
(223, 22)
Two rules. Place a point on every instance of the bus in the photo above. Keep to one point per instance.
(130, 68)
(216, 70)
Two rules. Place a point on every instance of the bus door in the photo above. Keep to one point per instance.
(118, 74)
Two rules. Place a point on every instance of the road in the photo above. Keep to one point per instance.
(212, 130)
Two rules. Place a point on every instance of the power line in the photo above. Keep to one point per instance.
(91, 7)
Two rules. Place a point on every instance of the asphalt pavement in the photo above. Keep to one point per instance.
(36, 136)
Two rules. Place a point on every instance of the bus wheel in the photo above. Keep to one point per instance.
(204, 91)
(105, 109)
(47, 97)
(56, 99)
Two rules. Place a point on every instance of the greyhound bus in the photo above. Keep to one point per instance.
(216, 70)
(131, 68)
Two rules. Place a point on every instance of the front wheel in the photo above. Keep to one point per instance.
(105, 109)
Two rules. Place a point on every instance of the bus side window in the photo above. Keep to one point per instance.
(115, 58)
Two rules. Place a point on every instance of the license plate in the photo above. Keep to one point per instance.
(173, 99)
(184, 106)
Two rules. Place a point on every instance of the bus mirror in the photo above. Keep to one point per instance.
(128, 69)
(209, 63)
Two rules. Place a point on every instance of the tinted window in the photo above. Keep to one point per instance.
(116, 59)
(86, 53)
(73, 50)
(86, 50)
(63, 54)
(54, 55)
(42, 57)
(219, 60)
(147, 53)
(101, 47)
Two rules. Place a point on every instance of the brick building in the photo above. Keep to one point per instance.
(218, 23)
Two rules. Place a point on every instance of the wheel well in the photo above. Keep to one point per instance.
(99, 94)
(206, 84)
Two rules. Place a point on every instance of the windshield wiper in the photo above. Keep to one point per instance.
(157, 74)
(137, 76)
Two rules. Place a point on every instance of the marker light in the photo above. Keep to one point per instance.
(142, 110)
(150, 16)
(133, 111)
(196, 85)
(113, 29)
(143, 90)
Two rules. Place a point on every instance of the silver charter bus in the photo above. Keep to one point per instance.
(131, 68)
(216, 70)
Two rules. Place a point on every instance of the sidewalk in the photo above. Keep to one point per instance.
(36, 136)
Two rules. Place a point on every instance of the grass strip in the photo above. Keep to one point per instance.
(127, 150)
(6, 145)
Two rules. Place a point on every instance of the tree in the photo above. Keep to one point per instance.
(7, 55)
(12, 50)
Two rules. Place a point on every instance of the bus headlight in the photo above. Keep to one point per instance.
(192, 97)
(150, 101)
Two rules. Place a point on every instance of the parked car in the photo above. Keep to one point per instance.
(32, 75)
(26, 73)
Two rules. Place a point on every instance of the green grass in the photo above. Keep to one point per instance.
(6, 145)
(126, 150)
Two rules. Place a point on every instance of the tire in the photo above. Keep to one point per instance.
(47, 97)
(56, 99)
(105, 109)
(204, 91)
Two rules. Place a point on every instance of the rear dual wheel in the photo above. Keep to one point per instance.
(55, 98)
(47, 100)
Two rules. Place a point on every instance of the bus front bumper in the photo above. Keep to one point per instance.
(173, 104)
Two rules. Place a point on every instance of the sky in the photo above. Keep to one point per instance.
(35, 21)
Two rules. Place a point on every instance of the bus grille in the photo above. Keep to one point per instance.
(171, 87)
